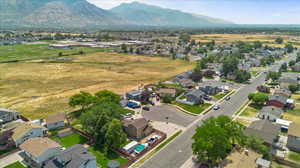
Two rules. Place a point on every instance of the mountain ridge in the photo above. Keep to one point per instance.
(82, 14)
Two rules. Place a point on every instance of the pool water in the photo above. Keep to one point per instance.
(139, 148)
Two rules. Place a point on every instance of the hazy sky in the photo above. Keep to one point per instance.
(238, 11)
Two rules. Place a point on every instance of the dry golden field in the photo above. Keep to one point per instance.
(41, 87)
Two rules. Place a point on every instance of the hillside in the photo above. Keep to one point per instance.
(149, 15)
(82, 14)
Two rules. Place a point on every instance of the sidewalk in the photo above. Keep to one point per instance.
(12, 158)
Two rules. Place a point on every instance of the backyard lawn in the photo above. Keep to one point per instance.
(196, 109)
(293, 115)
(103, 159)
(15, 165)
(293, 156)
(70, 140)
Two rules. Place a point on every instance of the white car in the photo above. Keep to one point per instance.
(216, 107)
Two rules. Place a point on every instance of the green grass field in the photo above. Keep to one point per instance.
(38, 51)
(196, 109)
(15, 165)
(293, 156)
(70, 140)
(250, 111)
(103, 159)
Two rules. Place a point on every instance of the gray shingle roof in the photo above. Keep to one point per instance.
(278, 97)
(263, 129)
(71, 158)
(272, 110)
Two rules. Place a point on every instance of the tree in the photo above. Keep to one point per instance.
(114, 135)
(124, 48)
(60, 54)
(293, 88)
(82, 99)
(242, 76)
(273, 75)
(284, 67)
(196, 76)
(107, 96)
(289, 47)
(292, 63)
(167, 98)
(279, 40)
(230, 65)
(214, 140)
(257, 44)
(259, 98)
(298, 57)
(185, 37)
(257, 144)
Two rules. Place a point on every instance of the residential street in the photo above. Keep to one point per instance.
(179, 151)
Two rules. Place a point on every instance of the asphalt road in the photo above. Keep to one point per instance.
(175, 116)
(178, 151)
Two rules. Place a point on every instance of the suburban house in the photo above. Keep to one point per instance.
(39, 150)
(283, 92)
(134, 95)
(195, 97)
(75, 156)
(270, 113)
(186, 83)
(167, 91)
(264, 129)
(138, 128)
(277, 100)
(285, 82)
(7, 115)
(55, 121)
(294, 137)
(25, 131)
(210, 90)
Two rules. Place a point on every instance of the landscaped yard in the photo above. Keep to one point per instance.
(250, 111)
(293, 115)
(293, 156)
(196, 109)
(103, 159)
(220, 95)
(15, 165)
(70, 140)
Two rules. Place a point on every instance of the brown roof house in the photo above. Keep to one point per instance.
(39, 150)
(55, 121)
(264, 129)
(138, 128)
(25, 131)
(294, 137)
(167, 91)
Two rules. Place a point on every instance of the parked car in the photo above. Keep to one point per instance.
(146, 108)
(227, 98)
(133, 104)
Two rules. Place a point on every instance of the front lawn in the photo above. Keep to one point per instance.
(196, 109)
(70, 140)
(220, 96)
(250, 111)
(293, 156)
(15, 165)
(103, 159)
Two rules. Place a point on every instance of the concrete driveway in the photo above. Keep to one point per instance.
(12, 158)
(160, 112)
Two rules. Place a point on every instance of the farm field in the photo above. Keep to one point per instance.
(22, 52)
(41, 87)
(266, 38)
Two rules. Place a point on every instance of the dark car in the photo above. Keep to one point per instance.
(146, 108)
(228, 98)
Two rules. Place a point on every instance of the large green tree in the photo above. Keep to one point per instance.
(114, 135)
(82, 99)
(259, 98)
(214, 140)
(107, 96)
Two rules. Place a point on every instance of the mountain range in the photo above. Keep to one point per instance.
(82, 14)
